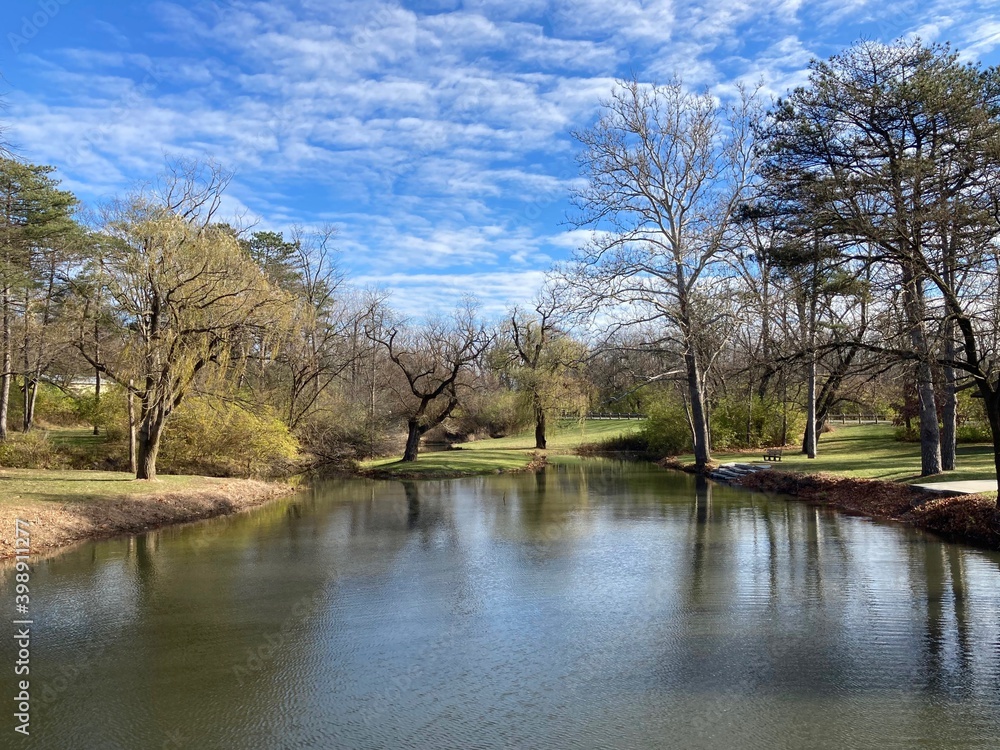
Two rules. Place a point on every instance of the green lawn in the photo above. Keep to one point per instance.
(76, 437)
(19, 486)
(871, 451)
(564, 436)
(504, 454)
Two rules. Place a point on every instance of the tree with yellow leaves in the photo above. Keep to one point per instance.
(183, 298)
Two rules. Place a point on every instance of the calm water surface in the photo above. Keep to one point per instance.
(596, 605)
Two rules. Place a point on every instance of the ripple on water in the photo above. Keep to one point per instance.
(598, 606)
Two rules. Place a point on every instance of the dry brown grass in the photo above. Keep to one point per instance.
(56, 523)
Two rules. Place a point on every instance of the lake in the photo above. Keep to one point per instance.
(598, 604)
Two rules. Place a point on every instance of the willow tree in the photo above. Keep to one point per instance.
(542, 360)
(667, 171)
(184, 298)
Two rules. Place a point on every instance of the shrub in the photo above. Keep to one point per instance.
(53, 407)
(110, 414)
(729, 423)
(666, 430)
(973, 432)
(494, 413)
(211, 436)
(30, 450)
(342, 432)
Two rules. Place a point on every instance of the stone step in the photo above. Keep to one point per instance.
(729, 474)
(733, 471)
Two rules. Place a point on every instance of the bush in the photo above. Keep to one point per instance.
(109, 415)
(729, 423)
(666, 431)
(342, 432)
(210, 436)
(494, 413)
(973, 432)
(30, 450)
(53, 407)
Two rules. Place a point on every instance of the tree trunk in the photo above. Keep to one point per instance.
(97, 399)
(991, 402)
(30, 399)
(949, 409)
(412, 440)
(784, 410)
(699, 420)
(97, 376)
(8, 364)
(930, 434)
(150, 432)
(539, 424)
(133, 463)
(809, 439)
(25, 377)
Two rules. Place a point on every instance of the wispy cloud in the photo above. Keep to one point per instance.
(437, 137)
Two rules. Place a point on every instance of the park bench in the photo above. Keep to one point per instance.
(772, 454)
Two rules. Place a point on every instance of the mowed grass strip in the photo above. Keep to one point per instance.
(872, 452)
(503, 454)
(21, 486)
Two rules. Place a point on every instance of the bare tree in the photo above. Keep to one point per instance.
(667, 171)
(436, 360)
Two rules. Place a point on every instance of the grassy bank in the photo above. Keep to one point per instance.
(515, 453)
(63, 507)
(862, 469)
(871, 452)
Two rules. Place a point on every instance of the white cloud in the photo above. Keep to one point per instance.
(439, 139)
(422, 295)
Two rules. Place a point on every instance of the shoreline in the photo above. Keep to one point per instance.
(58, 525)
(968, 519)
(538, 462)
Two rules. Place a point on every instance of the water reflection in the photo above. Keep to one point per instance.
(597, 604)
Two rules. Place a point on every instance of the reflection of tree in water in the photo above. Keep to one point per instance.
(412, 504)
(946, 639)
(542, 508)
(702, 499)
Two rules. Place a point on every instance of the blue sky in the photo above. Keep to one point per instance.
(435, 135)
